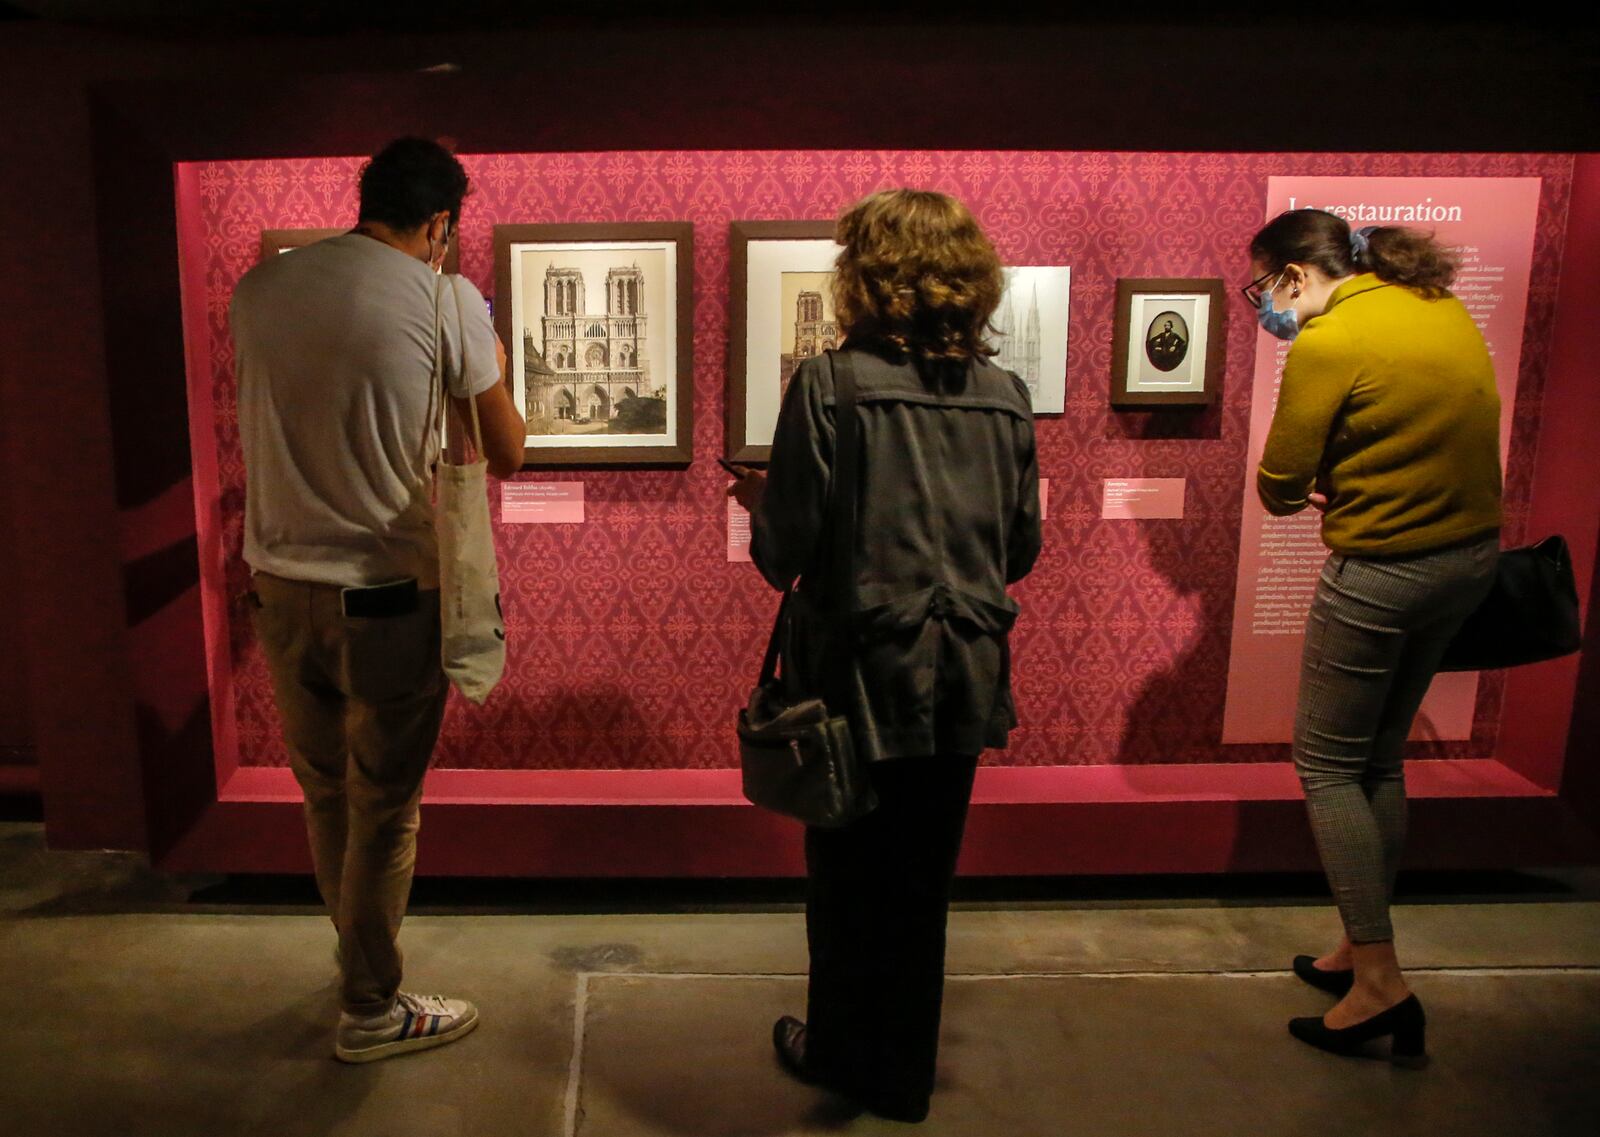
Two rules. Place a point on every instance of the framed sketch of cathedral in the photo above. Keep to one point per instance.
(1167, 343)
(597, 320)
(277, 241)
(1030, 332)
(780, 313)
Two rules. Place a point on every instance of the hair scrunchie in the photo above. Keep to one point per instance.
(1361, 241)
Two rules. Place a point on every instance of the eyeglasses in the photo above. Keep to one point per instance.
(1252, 292)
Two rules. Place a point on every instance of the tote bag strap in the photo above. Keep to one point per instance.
(441, 383)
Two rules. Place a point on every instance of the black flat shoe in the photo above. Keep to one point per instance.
(1333, 982)
(1404, 1021)
(789, 1041)
(909, 1110)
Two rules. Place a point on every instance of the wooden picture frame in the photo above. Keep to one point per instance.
(609, 360)
(757, 365)
(276, 241)
(1163, 366)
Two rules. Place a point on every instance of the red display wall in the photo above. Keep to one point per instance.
(631, 637)
(106, 476)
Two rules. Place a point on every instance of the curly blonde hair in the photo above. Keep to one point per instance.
(916, 273)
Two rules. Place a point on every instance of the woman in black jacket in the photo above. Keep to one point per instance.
(947, 516)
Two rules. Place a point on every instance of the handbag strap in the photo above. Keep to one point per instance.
(840, 579)
(840, 582)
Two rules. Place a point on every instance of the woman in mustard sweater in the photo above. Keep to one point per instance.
(1388, 421)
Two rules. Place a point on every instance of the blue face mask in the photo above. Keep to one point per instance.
(1284, 325)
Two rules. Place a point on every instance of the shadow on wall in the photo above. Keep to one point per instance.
(1199, 423)
(549, 729)
(1173, 719)
(1177, 715)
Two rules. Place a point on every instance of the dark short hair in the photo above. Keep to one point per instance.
(410, 180)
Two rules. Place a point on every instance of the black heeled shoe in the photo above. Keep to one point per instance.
(1404, 1023)
(789, 1040)
(1333, 982)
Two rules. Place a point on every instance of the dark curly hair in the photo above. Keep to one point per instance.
(916, 274)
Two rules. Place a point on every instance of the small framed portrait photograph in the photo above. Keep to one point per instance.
(597, 320)
(277, 241)
(1168, 342)
(780, 298)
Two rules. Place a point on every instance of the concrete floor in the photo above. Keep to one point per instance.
(140, 1004)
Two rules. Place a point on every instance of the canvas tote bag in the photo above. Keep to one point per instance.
(473, 640)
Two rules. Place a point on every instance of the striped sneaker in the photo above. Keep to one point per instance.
(415, 1022)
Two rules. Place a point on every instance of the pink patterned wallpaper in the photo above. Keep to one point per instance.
(632, 639)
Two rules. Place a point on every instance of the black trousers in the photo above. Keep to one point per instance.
(875, 921)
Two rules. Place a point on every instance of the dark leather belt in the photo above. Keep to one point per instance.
(396, 599)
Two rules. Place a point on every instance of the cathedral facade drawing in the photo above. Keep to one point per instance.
(591, 361)
(1019, 345)
(813, 335)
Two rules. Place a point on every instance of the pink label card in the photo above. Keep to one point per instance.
(1044, 499)
(738, 532)
(541, 503)
(1142, 499)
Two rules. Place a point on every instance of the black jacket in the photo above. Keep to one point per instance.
(947, 516)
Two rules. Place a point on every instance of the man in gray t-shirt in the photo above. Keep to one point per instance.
(336, 346)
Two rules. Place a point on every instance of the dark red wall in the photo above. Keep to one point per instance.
(630, 636)
(1400, 86)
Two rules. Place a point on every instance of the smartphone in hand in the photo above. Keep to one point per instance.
(734, 471)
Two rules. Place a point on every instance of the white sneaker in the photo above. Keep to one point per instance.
(415, 1022)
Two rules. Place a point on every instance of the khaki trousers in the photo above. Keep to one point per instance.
(361, 699)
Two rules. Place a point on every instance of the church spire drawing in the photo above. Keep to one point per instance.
(1030, 347)
(1019, 348)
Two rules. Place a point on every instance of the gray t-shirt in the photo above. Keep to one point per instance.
(334, 354)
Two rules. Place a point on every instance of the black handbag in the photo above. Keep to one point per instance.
(1530, 614)
(797, 758)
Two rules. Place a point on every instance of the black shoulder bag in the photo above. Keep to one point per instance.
(1530, 614)
(797, 758)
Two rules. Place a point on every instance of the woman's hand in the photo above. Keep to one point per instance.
(1319, 502)
(750, 487)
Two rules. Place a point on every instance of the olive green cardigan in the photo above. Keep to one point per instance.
(1388, 407)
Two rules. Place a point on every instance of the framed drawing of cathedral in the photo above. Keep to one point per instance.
(1167, 343)
(277, 241)
(780, 313)
(1030, 332)
(597, 320)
